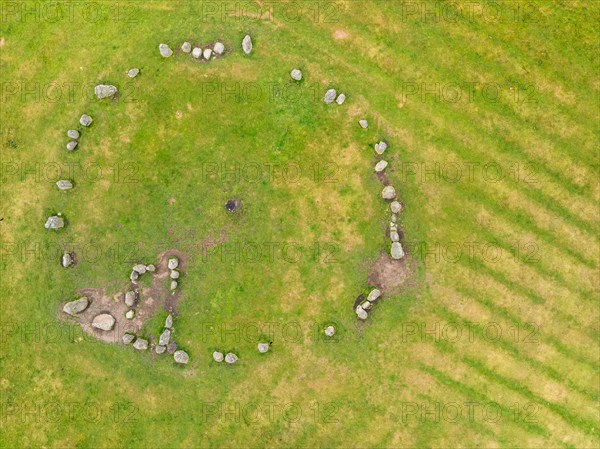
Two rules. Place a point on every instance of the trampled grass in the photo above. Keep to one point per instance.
(492, 118)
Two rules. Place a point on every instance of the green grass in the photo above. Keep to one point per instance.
(164, 149)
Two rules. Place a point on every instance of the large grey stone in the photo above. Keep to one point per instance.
(77, 306)
(140, 268)
(388, 193)
(85, 120)
(263, 347)
(104, 91)
(72, 145)
(207, 53)
(361, 313)
(66, 260)
(366, 305)
(104, 321)
(330, 331)
(219, 48)
(129, 298)
(132, 73)
(151, 268)
(380, 147)
(296, 74)
(174, 274)
(165, 51)
(174, 285)
(374, 294)
(160, 349)
(164, 338)
(54, 222)
(380, 166)
(181, 357)
(395, 207)
(134, 276)
(63, 184)
(173, 263)
(169, 322)
(231, 358)
(197, 52)
(397, 251)
(218, 356)
(130, 314)
(186, 47)
(247, 44)
(363, 124)
(73, 134)
(340, 99)
(128, 338)
(394, 237)
(330, 96)
(141, 344)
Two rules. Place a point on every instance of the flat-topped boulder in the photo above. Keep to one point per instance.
(397, 252)
(66, 260)
(73, 134)
(181, 357)
(76, 307)
(132, 73)
(164, 338)
(330, 331)
(231, 358)
(165, 51)
(72, 145)
(54, 222)
(330, 96)
(363, 124)
(128, 338)
(263, 347)
(247, 44)
(218, 356)
(64, 184)
(219, 48)
(296, 74)
(141, 344)
(388, 193)
(186, 47)
(173, 263)
(104, 321)
(85, 120)
(105, 91)
(374, 294)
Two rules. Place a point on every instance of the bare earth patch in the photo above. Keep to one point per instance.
(340, 35)
(390, 275)
(148, 302)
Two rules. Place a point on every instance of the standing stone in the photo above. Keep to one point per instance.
(330, 96)
(128, 338)
(197, 52)
(140, 268)
(181, 357)
(388, 193)
(165, 51)
(374, 294)
(63, 184)
(395, 207)
(247, 44)
(130, 314)
(169, 322)
(363, 124)
(160, 349)
(397, 251)
(164, 338)
(394, 236)
(218, 356)
(129, 298)
(141, 344)
(85, 120)
(219, 48)
(132, 73)
(173, 263)
(380, 147)
(54, 222)
(104, 91)
(66, 260)
(380, 166)
(104, 321)
(72, 145)
(73, 134)
(77, 306)
(296, 74)
(263, 347)
(174, 274)
(231, 358)
(340, 99)
(207, 53)
(186, 47)
(361, 313)
(330, 331)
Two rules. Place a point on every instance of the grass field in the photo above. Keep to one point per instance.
(492, 115)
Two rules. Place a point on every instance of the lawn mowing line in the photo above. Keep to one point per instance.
(517, 118)
(519, 355)
(507, 315)
(523, 291)
(466, 422)
(529, 225)
(546, 273)
(581, 423)
(476, 395)
(539, 197)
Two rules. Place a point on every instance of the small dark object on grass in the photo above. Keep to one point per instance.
(233, 204)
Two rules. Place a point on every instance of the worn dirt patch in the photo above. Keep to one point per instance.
(340, 35)
(149, 301)
(390, 275)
